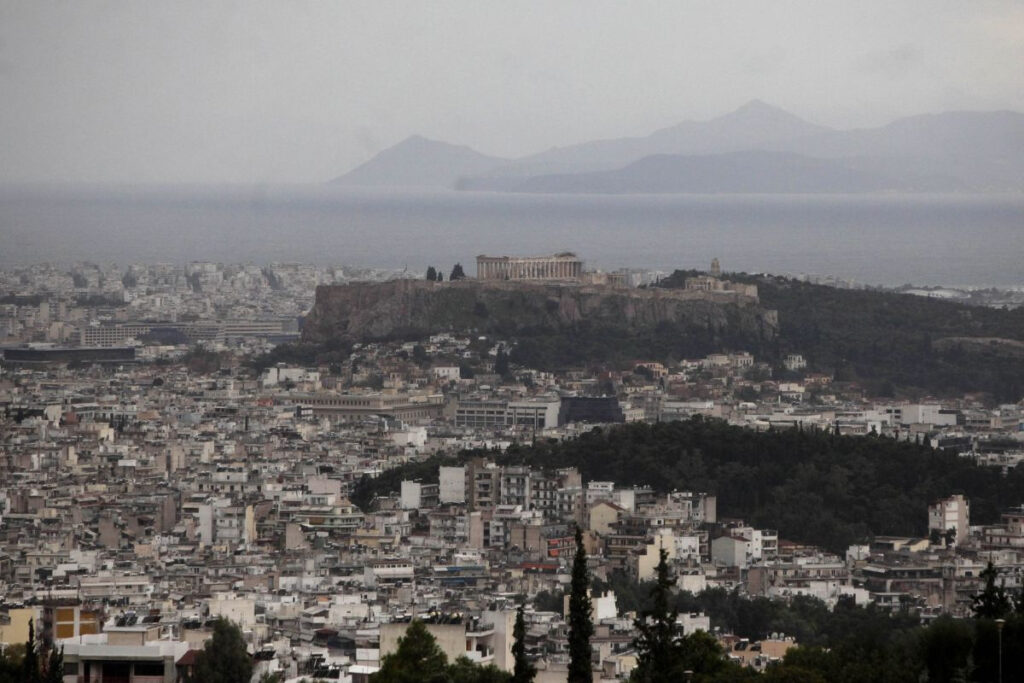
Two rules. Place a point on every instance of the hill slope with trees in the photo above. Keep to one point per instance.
(812, 486)
(891, 341)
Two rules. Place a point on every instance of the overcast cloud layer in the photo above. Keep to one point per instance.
(281, 92)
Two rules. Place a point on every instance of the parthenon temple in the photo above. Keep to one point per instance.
(564, 266)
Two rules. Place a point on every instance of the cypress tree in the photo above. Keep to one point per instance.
(431, 274)
(581, 628)
(524, 671)
(30, 664)
(501, 363)
(55, 666)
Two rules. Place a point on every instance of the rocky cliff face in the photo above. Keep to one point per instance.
(415, 308)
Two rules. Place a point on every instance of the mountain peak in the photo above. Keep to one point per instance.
(757, 105)
(761, 110)
(417, 161)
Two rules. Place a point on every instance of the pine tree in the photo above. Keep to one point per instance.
(659, 643)
(524, 671)
(581, 628)
(418, 658)
(431, 273)
(224, 658)
(992, 602)
(457, 273)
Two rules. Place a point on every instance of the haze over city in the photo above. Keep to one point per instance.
(521, 342)
(268, 92)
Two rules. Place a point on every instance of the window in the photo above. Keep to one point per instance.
(149, 668)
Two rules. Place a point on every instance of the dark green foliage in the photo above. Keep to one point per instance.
(30, 662)
(203, 361)
(985, 654)
(419, 355)
(791, 674)
(55, 666)
(659, 642)
(524, 671)
(302, 354)
(945, 649)
(463, 670)
(875, 650)
(581, 628)
(992, 602)
(11, 657)
(457, 273)
(813, 487)
(366, 489)
(595, 342)
(700, 653)
(549, 601)
(501, 364)
(224, 658)
(419, 659)
(431, 274)
(891, 340)
(23, 299)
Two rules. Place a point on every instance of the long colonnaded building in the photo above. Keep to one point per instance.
(563, 266)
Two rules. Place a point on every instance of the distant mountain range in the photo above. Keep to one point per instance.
(757, 148)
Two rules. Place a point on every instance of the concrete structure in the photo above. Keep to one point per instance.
(135, 654)
(562, 266)
(14, 624)
(452, 484)
(951, 513)
(355, 407)
(731, 552)
(499, 413)
(416, 495)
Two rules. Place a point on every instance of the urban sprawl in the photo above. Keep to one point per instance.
(153, 479)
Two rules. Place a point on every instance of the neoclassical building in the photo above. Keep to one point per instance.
(564, 266)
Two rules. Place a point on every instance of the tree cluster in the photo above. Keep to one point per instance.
(845, 645)
(435, 275)
(887, 339)
(32, 662)
(812, 486)
(664, 653)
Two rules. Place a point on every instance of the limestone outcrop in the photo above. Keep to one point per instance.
(415, 308)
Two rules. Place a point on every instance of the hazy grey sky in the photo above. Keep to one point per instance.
(294, 91)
